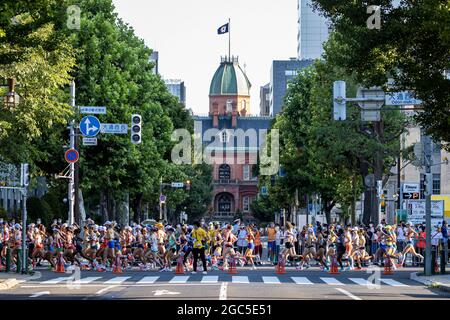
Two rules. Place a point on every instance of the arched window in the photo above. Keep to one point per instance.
(224, 172)
(225, 203)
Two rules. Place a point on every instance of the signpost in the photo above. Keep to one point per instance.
(89, 141)
(71, 156)
(177, 184)
(401, 98)
(115, 128)
(90, 126)
(92, 110)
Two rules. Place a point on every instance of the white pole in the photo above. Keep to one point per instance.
(71, 192)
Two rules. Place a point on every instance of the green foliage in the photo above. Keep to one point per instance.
(263, 209)
(412, 47)
(39, 208)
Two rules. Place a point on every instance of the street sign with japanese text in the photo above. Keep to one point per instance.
(177, 184)
(89, 141)
(401, 98)
(416, 212)
(114, 128)
(92, 110)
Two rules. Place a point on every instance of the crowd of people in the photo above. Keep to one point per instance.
(215, 245)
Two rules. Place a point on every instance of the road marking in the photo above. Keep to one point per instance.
(361, 281)
(332, 281)
(273, 280)
(86, 280)
(223, 291)
(210, 279)
(348, 294)
(393, 283)
(164, 292)
(301, 280)
(105, 289)
(38, 294)
(116, 280)
(146, 280)
(239, 279)
(179, 279)
(56, 280)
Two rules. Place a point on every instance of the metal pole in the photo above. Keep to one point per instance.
(429, 188)
(24, 230)
(399, 184)
(160, 194)
(71, 193)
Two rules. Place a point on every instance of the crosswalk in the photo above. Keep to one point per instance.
(216, 279)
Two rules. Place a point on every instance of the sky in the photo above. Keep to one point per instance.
(184, 32)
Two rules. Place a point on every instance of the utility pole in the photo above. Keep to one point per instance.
(71, 191)
(428, 191)
(160, 194)
(24, 184)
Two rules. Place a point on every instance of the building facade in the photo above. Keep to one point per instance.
(264, 100)
(155, 59)
(231, 140)
(281, 74)
(313, 31)
(177, 88)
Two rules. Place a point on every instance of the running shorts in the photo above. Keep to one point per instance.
(111, 244)
(288, 245)
(271, 245)
(251, 245)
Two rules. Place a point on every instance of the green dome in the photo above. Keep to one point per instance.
(229, 79)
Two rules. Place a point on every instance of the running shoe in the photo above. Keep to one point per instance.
(205, 272)
(193, 272)
(254, 268)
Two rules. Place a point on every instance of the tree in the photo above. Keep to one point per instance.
(412, 47)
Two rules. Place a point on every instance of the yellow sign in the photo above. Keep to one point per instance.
(446, 199)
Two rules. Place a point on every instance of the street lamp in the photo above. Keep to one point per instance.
(11, 100)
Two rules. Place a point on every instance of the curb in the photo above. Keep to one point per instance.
(442, 287)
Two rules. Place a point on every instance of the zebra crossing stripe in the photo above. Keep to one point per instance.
(393, 283)
(273, 280)
(117, 280)
(332, 281)
(239, 279)
(56, 280)
(301, 280)
(147, 280)
(361, 281)
(86, 280)
(179, 279)
(210, 279)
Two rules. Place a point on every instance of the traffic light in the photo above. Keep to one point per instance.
(136, 129)
(24, 175)
(188, 185)
(339, 101)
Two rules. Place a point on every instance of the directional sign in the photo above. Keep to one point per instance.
(411, 187)
(115, 128)
(411, 195)
(162, 198)
(90, 126)
(71, 156)
(89, 141)
(177, 184)
(401, 98)
(93, 110)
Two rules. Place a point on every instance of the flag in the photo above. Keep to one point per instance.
(224, 29)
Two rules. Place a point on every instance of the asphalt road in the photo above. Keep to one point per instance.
(260, 284)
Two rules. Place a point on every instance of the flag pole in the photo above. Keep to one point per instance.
(229, 39)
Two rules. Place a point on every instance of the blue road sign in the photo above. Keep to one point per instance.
(90, 126)
(92, 110)
(117, 128)
(71, 156)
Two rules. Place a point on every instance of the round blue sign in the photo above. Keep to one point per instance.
(89, 126)
(71, 156)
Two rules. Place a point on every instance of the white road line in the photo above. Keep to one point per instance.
(116, 280)
(38, 294)
(147, 280)
(272, 280)
(86, 280)
(301, 280)
(179, 279)
(361, 281)
(393, 283)
(223, 291)
(105, 289)
(332, 281)
(348, 294)
(239, 279)
(55, 281)
(210, 279)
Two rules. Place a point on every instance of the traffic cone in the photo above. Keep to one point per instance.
(280, 268)
(232, 269)
(334, 267)
(180, 268)
(60, 265)
(436, 267)
(388, 267)
(117, 267)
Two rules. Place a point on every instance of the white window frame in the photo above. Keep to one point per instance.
(246, 203)
(246, 172)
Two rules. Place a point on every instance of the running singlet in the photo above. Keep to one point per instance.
(271, 233)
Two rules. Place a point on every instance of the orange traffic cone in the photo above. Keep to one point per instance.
(60, 265)
(280, 268)
(388, 267)
(117, 266)
(334, 267)
(232, 269)
(180, 267)
(436, 267)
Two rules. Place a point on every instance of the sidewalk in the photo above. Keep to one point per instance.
(11, 279)
(440, 280)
